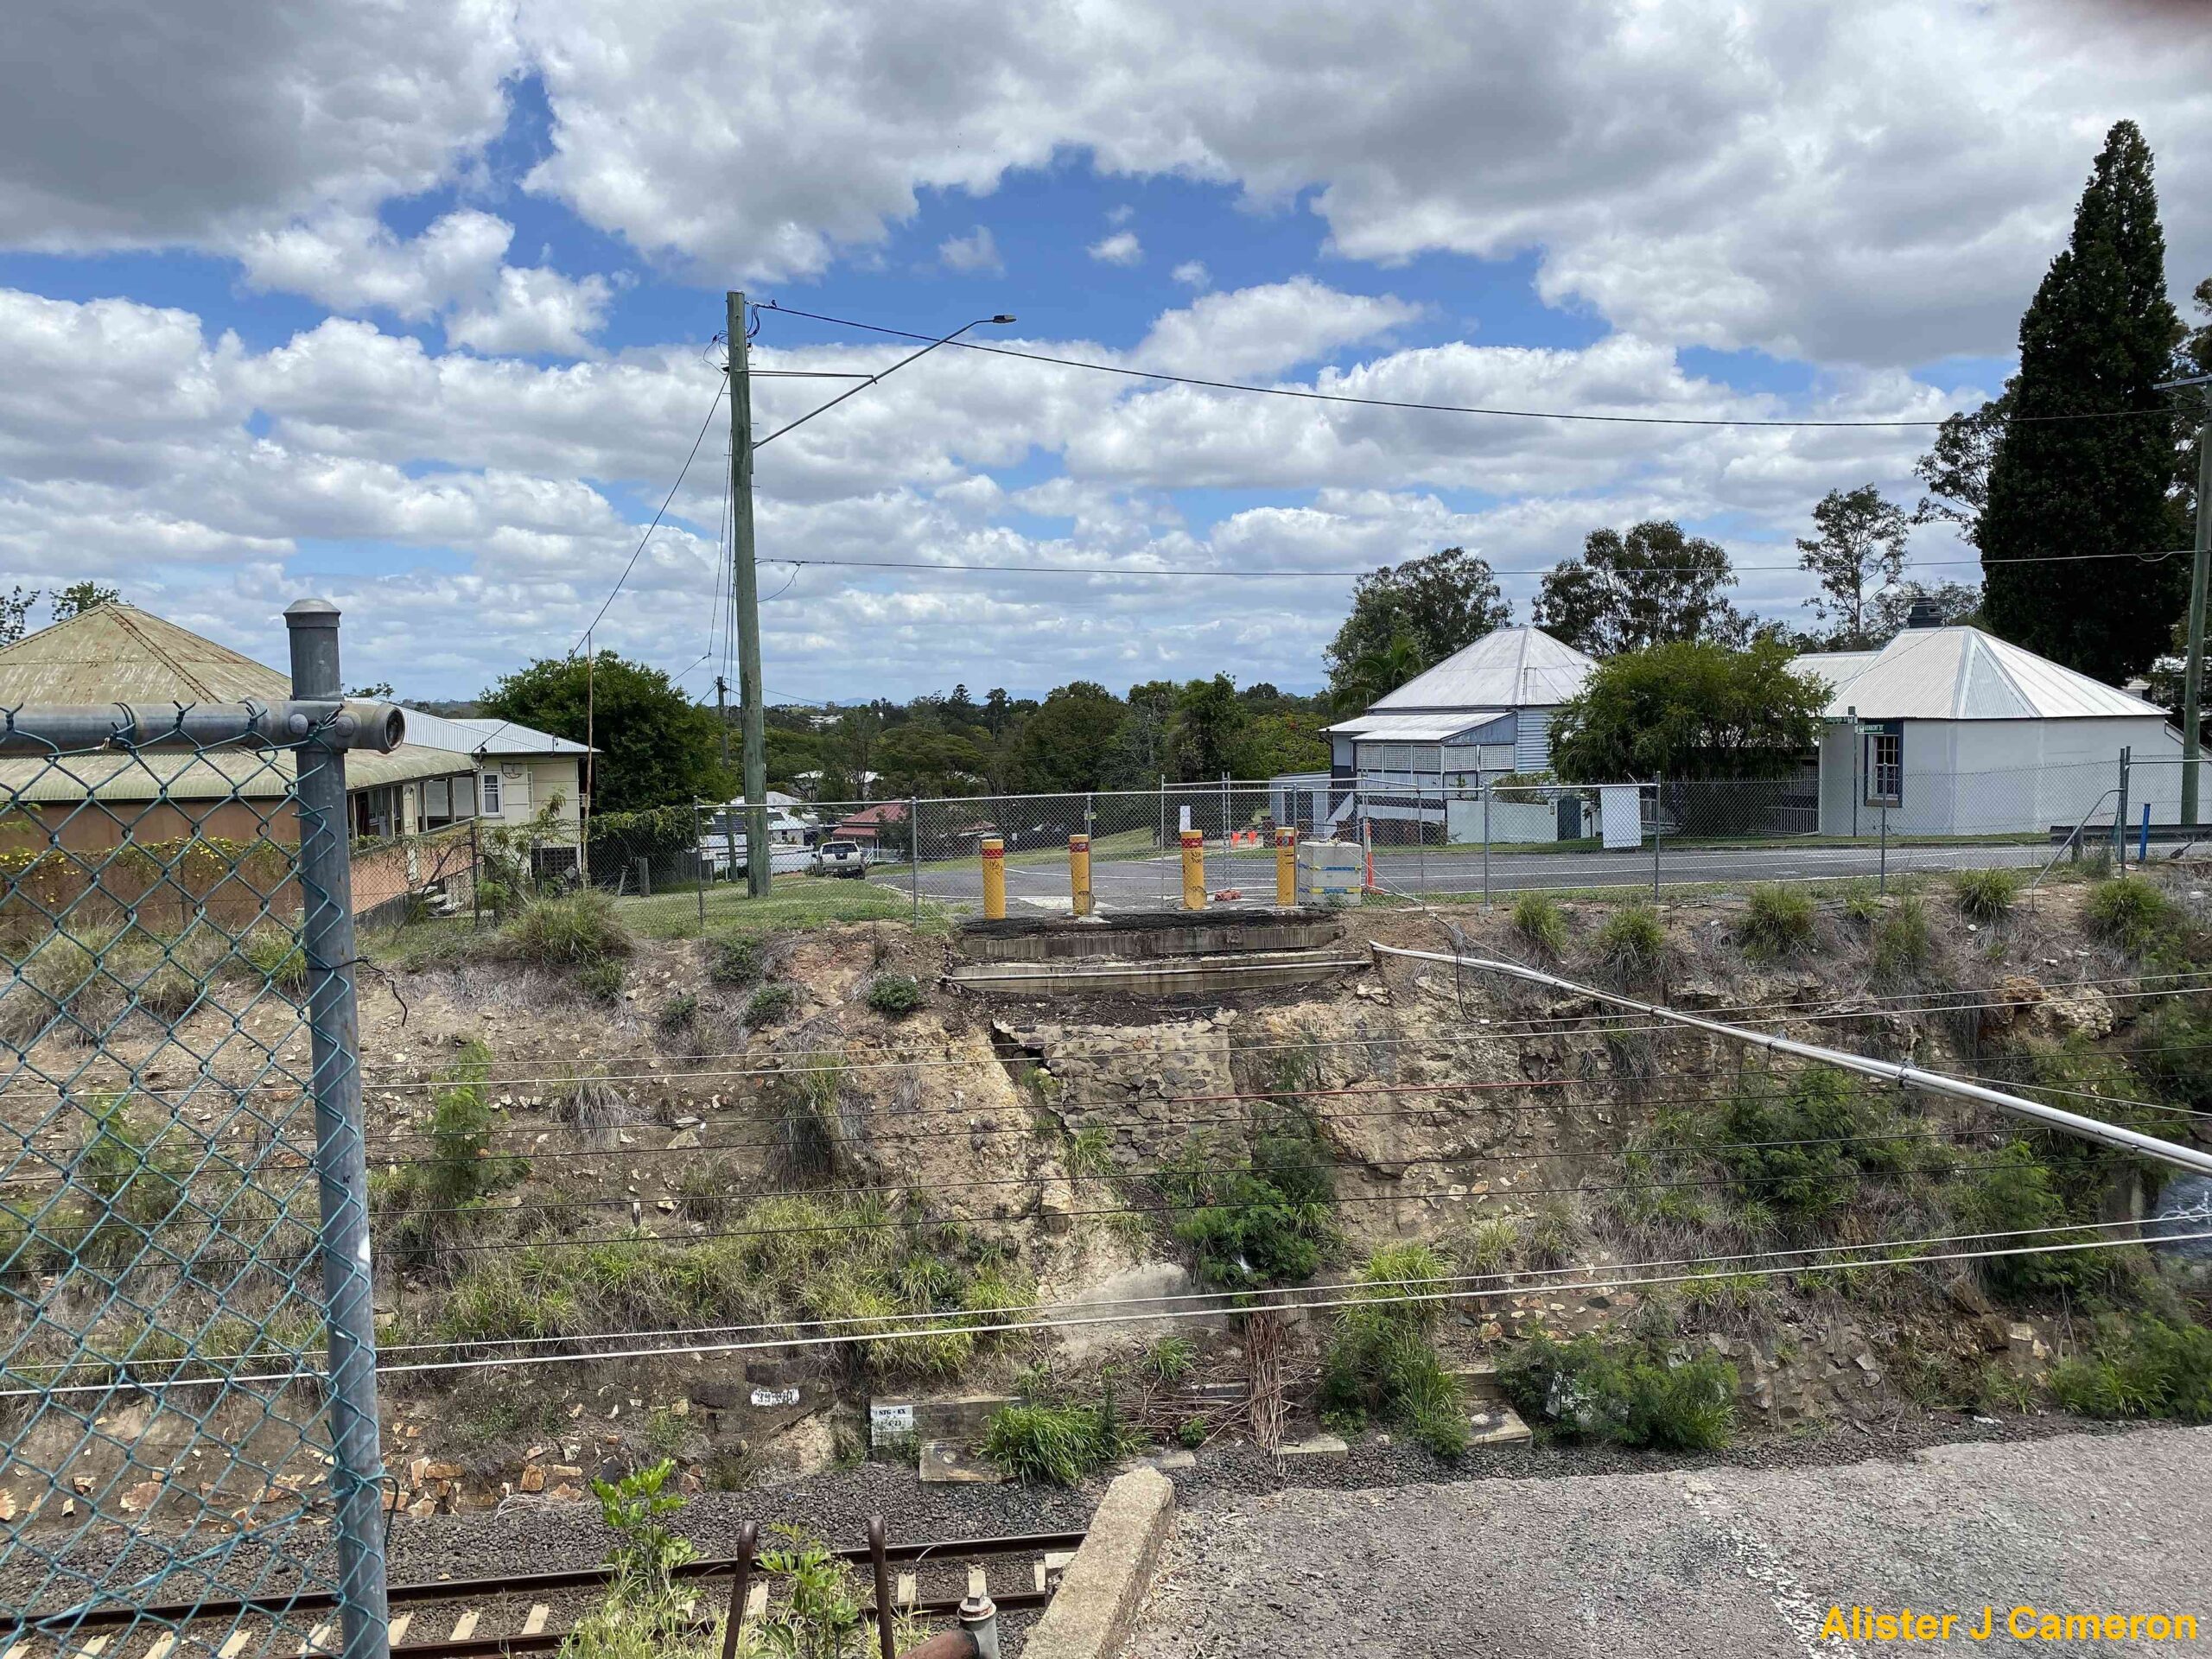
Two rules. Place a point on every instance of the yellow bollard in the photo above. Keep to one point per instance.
(1079, 873)
(1286, 866)
(1194, 869)
(994, 880)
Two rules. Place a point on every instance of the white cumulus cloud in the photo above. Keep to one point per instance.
(1120, 248)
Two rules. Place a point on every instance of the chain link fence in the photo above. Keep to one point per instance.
(188, 1400)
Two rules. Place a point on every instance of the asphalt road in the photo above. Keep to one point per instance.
(1156, 883)
(1718, 1563)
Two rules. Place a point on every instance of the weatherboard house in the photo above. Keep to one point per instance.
(1424, 751)
(1952, 731)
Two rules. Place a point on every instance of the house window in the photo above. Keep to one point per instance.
(1497, 757)
(491, 794)
(1885, 765)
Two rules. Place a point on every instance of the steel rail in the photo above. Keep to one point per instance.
(2073, 1123)
(516, 1583)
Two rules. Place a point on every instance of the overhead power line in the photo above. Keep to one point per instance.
(1284, 573)
(1308, 395)
(600, 614)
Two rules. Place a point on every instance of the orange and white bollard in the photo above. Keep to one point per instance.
(1079, 873)
(994, 880)
(1194, 869)
(1286, 866)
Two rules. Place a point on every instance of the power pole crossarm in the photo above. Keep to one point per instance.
(745, 585)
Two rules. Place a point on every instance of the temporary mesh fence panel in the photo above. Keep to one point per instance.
(167, 1199)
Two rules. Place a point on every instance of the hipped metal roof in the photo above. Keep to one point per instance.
(1513, 667)
(1962, 673)
(117, 653)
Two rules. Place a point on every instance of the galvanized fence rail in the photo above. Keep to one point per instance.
(188, 1349)
(682, 869)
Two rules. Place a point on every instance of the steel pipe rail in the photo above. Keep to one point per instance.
(150, 727)
(2087, 1129)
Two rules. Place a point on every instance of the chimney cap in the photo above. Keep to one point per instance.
(1925, 613)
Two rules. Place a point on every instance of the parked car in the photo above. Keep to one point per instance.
(718, 851)
(840, 858)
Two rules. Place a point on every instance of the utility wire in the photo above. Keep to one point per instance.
(1285, 574)
(1545, 1279)
(1243, 1301)
(1315, 396)
(715, 403)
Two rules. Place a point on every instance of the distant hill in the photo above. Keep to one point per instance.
(463, 710)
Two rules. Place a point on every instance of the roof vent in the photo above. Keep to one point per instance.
(1925, 614)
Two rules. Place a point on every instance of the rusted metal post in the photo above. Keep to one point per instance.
(876, 1560)
(748, 1542)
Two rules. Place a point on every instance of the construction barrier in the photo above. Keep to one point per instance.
(994, 878)
(1079, 873)
(1194, 869)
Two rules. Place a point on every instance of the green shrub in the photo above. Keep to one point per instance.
(2140, 1367)
(1985, 896)
(1633, 942)
(1902, 943)
(603, 980)
(1589, 1390)
(736, 962)
(677, 1013)
(1057, 1444)
(2131, 912)
(434, 1202)
(770, 1004)
(1381, 1363)
(134, 1190)
(1802, 1150)
(1538, 919)
(1193, 1432)
(568, 931)
(1264, 1223)
(2013, 1192)
(895, 996)
(1778, 922)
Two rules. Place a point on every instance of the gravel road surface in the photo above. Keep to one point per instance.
(1716, 1562)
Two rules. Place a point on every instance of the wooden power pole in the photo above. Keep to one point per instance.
(746, 585)
(2192, 711)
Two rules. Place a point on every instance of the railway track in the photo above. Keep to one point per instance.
(520, 1613)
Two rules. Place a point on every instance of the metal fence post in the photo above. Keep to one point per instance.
(699, 864)
(341, 1166)
(1882, 875)
(476, 871)
(1486, 789)
(1421, 829)
(914, 852)
(1658, 829)
(2119, 815)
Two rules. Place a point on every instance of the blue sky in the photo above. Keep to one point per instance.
(439, 351)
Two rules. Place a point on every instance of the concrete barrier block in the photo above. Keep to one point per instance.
(1097, 1603)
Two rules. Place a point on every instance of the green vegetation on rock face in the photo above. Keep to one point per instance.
(2131, 912)
(895, 996)
(829, 1258)
(1632, 943)
(2144, 1367)
(1539, 921)
(1381, 1363)
(1985, 896)
(425, 1207)
(1592, 1389)
(1263, 1222)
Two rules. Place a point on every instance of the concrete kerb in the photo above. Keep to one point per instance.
(1097, 1603)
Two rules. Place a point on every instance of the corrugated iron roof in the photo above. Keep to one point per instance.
(117, 653)
(477, 735)
(1414, 728)
(1513, 667)
(253, 775)
(1962, 673)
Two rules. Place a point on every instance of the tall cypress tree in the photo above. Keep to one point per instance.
(2100, 334)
